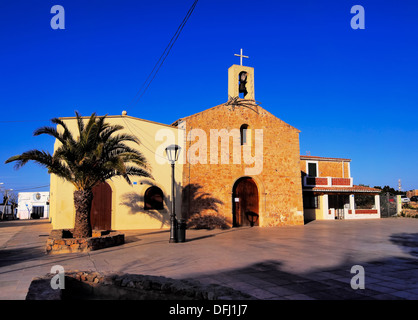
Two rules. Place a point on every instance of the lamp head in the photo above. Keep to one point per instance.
(172, 152)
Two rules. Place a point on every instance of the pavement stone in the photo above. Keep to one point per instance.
(310, 262)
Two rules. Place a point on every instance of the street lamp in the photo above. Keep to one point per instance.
(172, 152)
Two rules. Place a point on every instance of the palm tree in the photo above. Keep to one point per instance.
(97, 154)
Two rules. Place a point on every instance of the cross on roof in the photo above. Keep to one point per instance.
(240, 57)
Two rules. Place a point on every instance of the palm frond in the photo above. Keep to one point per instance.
(99, 153)
(43, 158)
(50, 131)
(68, 137)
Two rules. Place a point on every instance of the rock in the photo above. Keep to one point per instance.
(211, 295)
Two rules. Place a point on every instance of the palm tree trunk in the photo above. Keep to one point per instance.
(82, 204)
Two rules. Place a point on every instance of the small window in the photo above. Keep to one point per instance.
(244, 134)
(153, 199)
(312, 169)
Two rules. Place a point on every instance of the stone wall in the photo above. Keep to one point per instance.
(327, 168)
(208, 187)
(87, 285)
(61, 241)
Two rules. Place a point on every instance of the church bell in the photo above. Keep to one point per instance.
(243, 83)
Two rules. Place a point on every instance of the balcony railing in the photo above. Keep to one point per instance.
(327, 182)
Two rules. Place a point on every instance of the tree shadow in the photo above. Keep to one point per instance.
(17, 255)
(408, 242)
(196, 201)
(267, 280)
(200, 209)
(23, 223)
(135, 203)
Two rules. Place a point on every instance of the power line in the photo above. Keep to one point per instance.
(12, 121)
(177, 168)
(32, 188)
(164, 54)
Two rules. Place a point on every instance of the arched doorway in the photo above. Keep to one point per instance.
(101, 207)
(245, 203)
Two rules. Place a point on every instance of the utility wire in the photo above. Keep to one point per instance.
(163, 56)
(12, 121)
(137, 129)
(31, 188)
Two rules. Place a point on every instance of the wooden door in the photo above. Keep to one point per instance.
(245, 200)
(101, 207)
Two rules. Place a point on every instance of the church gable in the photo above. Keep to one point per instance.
(242, 162)
(232, 148)
(245, 127)
(234, 112)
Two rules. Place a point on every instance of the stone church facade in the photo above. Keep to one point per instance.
(245, 167)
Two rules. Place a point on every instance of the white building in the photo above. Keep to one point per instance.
(36, 203)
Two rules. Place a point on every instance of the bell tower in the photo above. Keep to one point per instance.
(241, 80)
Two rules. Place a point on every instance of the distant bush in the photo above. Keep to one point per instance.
(408, 213)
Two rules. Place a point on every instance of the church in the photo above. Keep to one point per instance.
(238, 163)
(253, 177)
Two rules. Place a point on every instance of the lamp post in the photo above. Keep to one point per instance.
(172, 152)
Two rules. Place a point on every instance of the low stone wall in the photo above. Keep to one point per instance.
(61, 241)
(87, 285)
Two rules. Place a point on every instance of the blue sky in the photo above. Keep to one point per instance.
(352, 93)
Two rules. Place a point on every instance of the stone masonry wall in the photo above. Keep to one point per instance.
(208, 187)
(61, 241)
(329, 168)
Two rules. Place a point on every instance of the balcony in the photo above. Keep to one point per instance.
(327, 182)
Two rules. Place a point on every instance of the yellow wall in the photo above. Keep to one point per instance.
(315, 214)
(127, 200)
(319, 212)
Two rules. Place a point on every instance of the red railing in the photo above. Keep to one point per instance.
(341, 181)
(317, 181)
(366, 211)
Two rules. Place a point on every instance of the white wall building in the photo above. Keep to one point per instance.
(6, 209)
(33, 202)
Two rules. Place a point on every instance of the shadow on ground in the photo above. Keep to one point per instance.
(17, 255)
(408, 242)
(394, 277)
(390, 279)
(23, 223)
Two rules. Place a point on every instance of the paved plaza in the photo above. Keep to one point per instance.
(287, 263)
